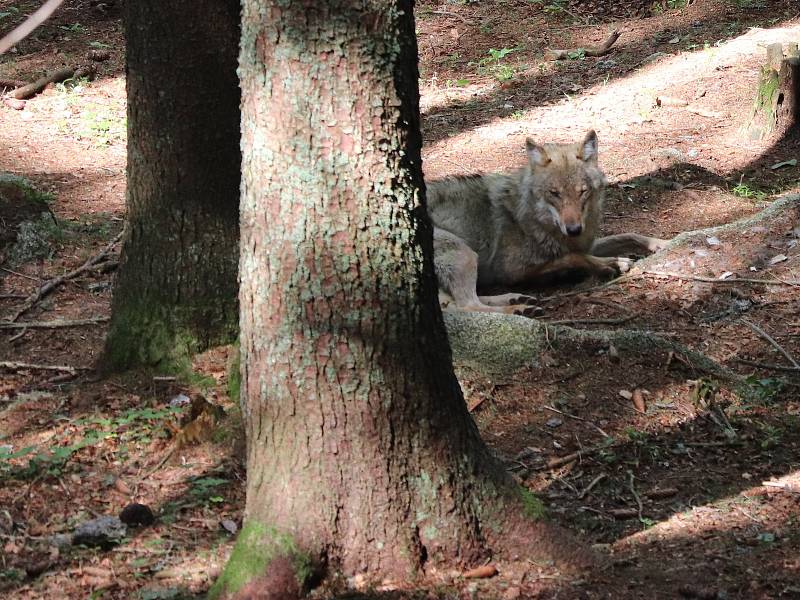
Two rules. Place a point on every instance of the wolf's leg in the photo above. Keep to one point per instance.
(595, 265)
(457, 271)
(623, 244)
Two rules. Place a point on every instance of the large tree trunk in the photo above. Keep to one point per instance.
(362, 459)
(176, 291)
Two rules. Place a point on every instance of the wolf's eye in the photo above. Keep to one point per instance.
(555, 193)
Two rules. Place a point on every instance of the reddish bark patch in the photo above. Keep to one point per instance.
(279, 584)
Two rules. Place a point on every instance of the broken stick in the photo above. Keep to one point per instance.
(601, 50)
(52, 284)
(27, 91)
(18, 366)
(53, 324)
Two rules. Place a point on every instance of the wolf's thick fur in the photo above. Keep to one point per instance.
(517, 228)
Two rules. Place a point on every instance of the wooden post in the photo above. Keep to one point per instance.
(776, 109)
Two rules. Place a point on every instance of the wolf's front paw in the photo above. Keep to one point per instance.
(527, 310)
(613, 266)
(623, 265)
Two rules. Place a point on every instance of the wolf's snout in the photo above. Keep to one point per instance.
(574, 230)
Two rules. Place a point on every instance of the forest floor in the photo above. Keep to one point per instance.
(685, 488)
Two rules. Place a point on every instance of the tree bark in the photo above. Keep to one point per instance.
(362, 460)
(776, 109)
(176, 291)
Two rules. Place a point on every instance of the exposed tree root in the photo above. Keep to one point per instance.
(497, 344)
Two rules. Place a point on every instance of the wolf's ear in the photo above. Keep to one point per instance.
(536, 153)
(588, 151)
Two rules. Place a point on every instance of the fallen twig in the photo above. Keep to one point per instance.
(16, 336)
(19, 366)
(31, 277)
(661, 493)
(577, 418)
(554, 463)
(587, 290)
(589, 487)
(635, 495)
(618, 321)
(772, 341)
(52, 284)
(53, 324)
(600, 50)
(28, 25)
(766, 366)
(728, 281)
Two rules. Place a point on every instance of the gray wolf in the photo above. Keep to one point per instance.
(508, 230)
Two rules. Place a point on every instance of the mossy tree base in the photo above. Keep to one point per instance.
(176, 289)
(361, 451)
(776, 109)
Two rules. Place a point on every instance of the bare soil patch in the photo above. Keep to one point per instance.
(674, 504)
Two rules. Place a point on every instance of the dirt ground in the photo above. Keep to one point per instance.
(683, 488)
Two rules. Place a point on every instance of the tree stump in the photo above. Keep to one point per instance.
(776, 109)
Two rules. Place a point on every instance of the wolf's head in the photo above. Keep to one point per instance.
(563, 187)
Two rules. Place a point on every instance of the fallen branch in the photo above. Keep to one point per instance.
(635, 495)
(618, 321)
(589, 487)
(29, 25)
(52, 284)
(27, 91)
(766, 366)
(729, 281)
(30, 90)
(19, 366)
(601, 50)
(577, 418)
(554, 463)
(53, 324)
(772, 341)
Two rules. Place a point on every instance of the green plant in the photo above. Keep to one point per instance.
(743, 190)
(764, 390)
(74, 28)
(133, 426)
(494, 64)
(772, 436)
(552, 6)
(636, 436)
(10, 11)
(204, 489)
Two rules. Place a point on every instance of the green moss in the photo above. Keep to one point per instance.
(12, 185)
(235, 374)
(257, 546)
(164, 338)
(532, 507)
